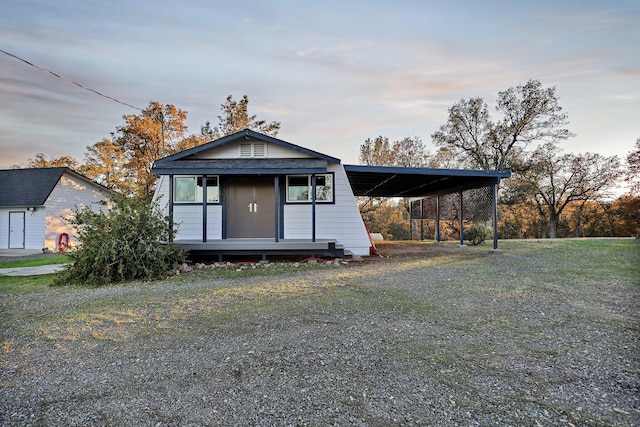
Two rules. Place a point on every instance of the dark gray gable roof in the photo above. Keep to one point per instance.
(247, 134)
(27, 187)
(389, 181)
(31, 187)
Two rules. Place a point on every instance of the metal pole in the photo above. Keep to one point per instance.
(495, 215)
(421, 220)
(461, 221)
(437, 218)
(162, 130)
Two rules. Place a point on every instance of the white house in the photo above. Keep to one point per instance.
(250, 193)
(34, 203)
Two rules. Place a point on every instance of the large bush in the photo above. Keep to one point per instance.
(477, 234)
(128, 242)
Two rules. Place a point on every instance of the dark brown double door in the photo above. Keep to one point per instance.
(251, 210)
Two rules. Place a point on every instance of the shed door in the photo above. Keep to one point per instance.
(250, 207)
(16, 230)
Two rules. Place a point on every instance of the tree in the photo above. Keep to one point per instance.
(407, 152)
(41, 161)
(555, 180)
(633, 171)
(157, 131)
(529, 114)
(105, 163)
(235, 117)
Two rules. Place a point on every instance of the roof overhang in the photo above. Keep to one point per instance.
(386, 181)
(241, 167)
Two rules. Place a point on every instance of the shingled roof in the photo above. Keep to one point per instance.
(31, 187)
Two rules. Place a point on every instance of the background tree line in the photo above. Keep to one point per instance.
(551, 193)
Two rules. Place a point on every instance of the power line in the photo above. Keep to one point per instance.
(69, 80)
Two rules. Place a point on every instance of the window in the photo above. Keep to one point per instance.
(299, 188)
(189, 189)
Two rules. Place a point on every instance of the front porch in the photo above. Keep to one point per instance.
(264, 247)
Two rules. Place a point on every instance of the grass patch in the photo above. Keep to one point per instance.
(35, 262)
(23, 284)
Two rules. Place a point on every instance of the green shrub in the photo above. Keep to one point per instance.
(128, 242)
(477, 234)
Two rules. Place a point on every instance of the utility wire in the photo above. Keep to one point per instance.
(70, 81)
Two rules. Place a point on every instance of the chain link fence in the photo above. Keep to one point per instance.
(475, 206)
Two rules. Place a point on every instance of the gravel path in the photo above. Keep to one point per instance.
(419, 340)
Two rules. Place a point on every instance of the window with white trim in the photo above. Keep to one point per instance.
(188, 189)
(299, 188)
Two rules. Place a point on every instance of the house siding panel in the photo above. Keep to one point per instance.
(70, 193)
(340, 221)
(33, 227)
(189, 217)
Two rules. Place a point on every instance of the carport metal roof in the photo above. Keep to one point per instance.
(391, 181)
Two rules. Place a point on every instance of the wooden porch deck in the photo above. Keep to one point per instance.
(264, 247)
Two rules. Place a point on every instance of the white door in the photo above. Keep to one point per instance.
(16, 230)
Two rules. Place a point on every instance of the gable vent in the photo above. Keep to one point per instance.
(246, 150)
(253, 149)
(259, 150)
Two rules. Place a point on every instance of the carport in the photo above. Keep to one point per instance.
(422, 183)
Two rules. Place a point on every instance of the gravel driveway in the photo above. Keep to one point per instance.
(444, 336)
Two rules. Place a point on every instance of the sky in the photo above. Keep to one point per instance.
(334, 73)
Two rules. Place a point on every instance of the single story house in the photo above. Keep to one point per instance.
(249, 193)
(34, 203)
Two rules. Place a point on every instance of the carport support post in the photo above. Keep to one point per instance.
(438, 219)
(461, 221)
(422, 220)
(495, 215)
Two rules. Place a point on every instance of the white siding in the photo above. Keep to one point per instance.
(33, 227)
(232, 151)
(69, 194)
(214, 222)
(340, 221)
(188, 220)
(161, 195)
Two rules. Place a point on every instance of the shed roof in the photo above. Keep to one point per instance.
(27, 187)
(32, 187)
